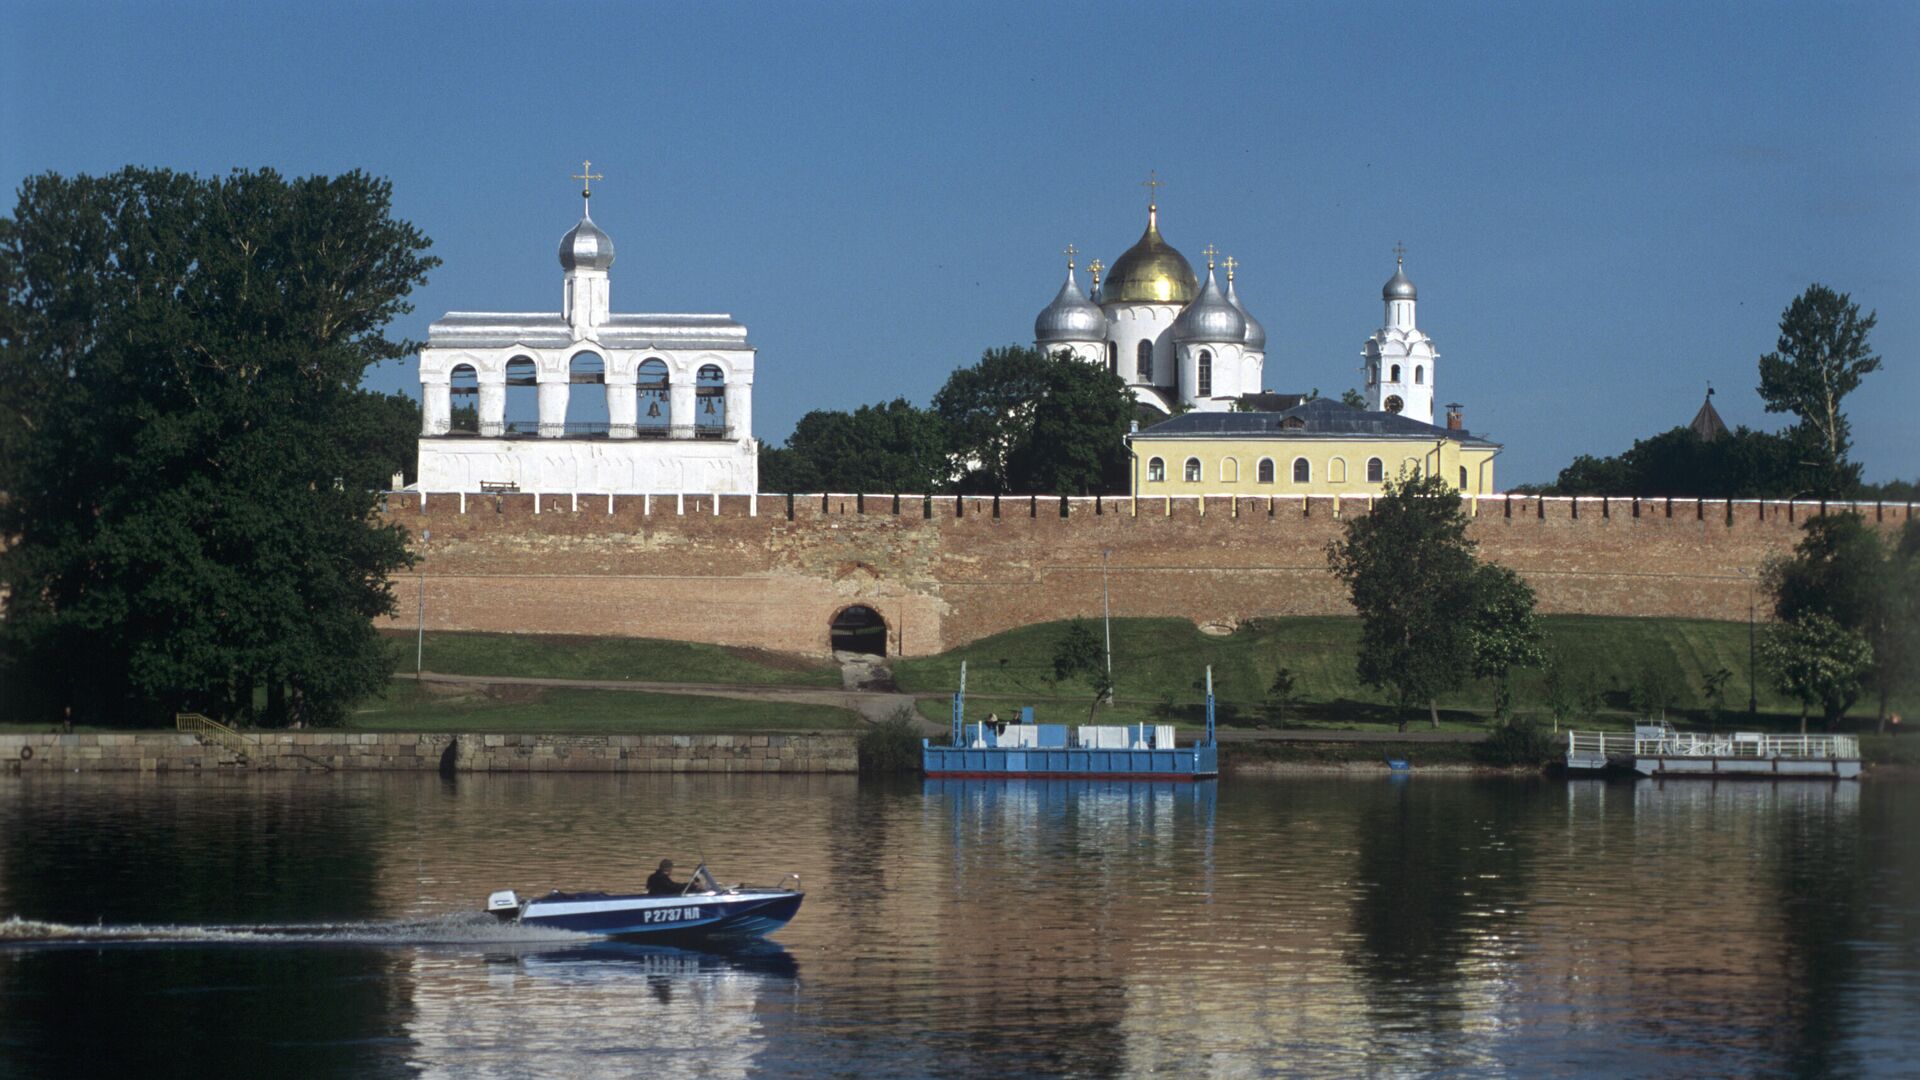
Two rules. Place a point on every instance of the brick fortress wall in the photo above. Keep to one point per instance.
(769, 572)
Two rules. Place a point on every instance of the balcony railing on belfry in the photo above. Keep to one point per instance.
(530, 429)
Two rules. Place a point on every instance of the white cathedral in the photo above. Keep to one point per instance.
(678, 388)
(1178, 341)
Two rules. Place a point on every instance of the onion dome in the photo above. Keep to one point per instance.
(1397, 286)
(1071, 316)
(585, 247)
(1211, 317)
(1150, 272)
(1256, 339)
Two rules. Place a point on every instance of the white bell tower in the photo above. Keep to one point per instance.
(1399, 357)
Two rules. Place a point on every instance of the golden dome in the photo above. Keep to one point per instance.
(1151, 272)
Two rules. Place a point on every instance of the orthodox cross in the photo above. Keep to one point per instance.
(1152, 183)
(1070, 252)
(1399, 253)
(1095, 267)
(586, 177)
(1230, 262)
(1209, 251)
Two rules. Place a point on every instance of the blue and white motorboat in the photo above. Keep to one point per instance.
(704, 910)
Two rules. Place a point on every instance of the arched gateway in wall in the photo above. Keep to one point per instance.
(858, 629)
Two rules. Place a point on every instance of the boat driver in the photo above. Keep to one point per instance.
(661, 883)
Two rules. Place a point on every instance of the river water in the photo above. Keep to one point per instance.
(321, 925)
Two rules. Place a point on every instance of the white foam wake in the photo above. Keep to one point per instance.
(465, 928)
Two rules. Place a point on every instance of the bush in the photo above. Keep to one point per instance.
(1517, 743)
(892, 745)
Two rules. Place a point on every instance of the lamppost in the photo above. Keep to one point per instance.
(1753, 702)
(420, 638)
(1106, 619)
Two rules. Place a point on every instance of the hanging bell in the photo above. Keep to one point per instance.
(653, 408)
(709, 406)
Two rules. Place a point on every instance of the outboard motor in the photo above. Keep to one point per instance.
(504, 905)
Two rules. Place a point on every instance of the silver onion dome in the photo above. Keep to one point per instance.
(1211, 317)
(1256, 339)
(1071, 316)
(586, 247)
(1397, 286)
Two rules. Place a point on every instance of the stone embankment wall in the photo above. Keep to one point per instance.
(771, 571)
(173, 752)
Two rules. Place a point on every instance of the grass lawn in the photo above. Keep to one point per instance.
(567, 656)
(409, 706)
(1159, 665)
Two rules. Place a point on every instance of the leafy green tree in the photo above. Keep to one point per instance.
(1820, 358)
(988, 410)
(1409, 570)
(1819, 662)
(192, 472)
(1741, 464)
(1656, 688)
(1713, 689)
(1503, 632)
(1074, 446)
(893, 448)
(1353, 399)
(1020, 421)
(1079, 655)
(1573, 690)
(1842, 569)
(1281, 693)
(388, 425)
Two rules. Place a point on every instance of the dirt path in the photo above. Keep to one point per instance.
(869, 691)
(872, 705)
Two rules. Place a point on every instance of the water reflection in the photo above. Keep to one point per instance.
(970, 927)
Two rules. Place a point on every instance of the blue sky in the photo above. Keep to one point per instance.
(1605, 206)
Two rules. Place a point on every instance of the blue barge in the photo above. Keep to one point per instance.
(1026, 749)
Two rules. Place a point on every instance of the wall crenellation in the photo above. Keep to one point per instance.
(770, 571)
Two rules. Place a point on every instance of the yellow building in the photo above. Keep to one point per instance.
(1320, 447)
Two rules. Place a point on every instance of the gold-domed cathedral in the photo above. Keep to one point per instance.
(1176, 340)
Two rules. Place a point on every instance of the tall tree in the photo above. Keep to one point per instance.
(1079, 655)
(1503, 632)
(1818, 661)
(1842, 570)
(191, 470)
(1075, 444)
(1409, 570)
(1820, 358)
(1021, 421)
(988, 410)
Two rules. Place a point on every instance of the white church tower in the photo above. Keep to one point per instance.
(1399, 356)
(678, 391)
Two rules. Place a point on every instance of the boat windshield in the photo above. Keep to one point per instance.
(702, 881)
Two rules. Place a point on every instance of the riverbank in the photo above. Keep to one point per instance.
(810, 752)
(492, 752)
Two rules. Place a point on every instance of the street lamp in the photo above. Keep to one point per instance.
(1753, 701)
(420, 638)
(1106, 619)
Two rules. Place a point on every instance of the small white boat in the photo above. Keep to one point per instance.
(704, 910)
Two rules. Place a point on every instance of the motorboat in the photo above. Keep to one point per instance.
(704, 909)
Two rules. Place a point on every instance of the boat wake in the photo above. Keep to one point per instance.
(465, 928)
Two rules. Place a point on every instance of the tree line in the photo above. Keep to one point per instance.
(1846, 607)
(1015, 421)
(1820, 357)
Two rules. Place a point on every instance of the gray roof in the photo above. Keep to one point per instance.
(544, 330)
(586, 246)
(1256, 338)
(1211, 317)
(1071, 316)
(1320, 418)
(1399, 287)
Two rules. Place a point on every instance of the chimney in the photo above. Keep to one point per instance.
(1453, 417)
